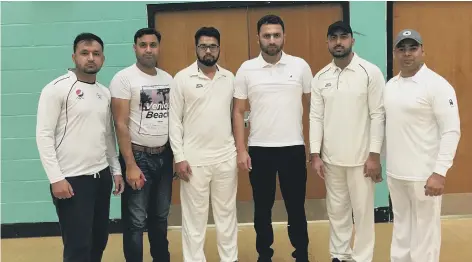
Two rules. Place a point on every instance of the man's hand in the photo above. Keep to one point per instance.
(119, 185)
(62, 189)
(373, 168)
(134, 177)
(183, 170)
(318, 165)
(244, 161)
(435, 185)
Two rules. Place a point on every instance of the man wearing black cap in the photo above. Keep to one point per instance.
(346, 134)
(422, 134)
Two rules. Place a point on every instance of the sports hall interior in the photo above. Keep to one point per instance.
(32, 233)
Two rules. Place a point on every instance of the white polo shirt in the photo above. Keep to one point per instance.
(74, 129)
(423, 125)
(149, 104)
(275, 99)
(347, 115)
(200, 116)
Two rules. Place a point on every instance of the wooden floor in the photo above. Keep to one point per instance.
(456, 245)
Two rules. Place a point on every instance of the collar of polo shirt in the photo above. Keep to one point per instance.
(263, 63)
(197, 72)
(352, 65)
(417, 77)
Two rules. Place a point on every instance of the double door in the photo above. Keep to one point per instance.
(305, 27)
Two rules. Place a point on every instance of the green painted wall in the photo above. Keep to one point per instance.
(368, 19)
(36, 43)
(37, 46)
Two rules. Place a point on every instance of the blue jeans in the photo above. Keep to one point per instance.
(148, 207)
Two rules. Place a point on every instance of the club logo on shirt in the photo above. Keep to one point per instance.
(199, 86)
(451, 103)
(328, 85)
(79, 93)
(99, 96)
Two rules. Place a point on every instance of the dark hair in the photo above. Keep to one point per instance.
(87, 37)
(207, 31)
(270, 20)
(147, 31)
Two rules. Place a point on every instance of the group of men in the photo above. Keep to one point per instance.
(196, 119)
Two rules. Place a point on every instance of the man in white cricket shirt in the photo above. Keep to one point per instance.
(347, 120)
(204, 150)
(76, 144)
(274, 83)
(141, 119)
(422, 134)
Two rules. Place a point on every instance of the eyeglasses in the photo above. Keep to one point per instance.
(213, 48)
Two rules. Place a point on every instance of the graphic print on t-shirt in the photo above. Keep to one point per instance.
(154, 106)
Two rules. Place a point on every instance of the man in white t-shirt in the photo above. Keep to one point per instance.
(422, 134)
(77, 147)
(274, 84)
(347, 120)
(204, 150)
(141, 120)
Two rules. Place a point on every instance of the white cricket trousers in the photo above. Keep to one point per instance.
(416, 222)
(220, 182)
(348, 192)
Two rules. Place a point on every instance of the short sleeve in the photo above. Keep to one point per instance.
(307, 77)
(240, 85)
(120, 87)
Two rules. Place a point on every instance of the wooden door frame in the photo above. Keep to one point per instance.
(389, 39)
(153, 9)
(389, 32)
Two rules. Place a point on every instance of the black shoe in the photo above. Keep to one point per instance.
(337, 260)
(300, 259)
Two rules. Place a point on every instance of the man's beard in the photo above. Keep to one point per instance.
(91, 71)
(149, 63)
(272, 52)
(208, 62)
(344, 54)
(87, 70)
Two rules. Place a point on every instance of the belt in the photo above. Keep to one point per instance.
(149, 150)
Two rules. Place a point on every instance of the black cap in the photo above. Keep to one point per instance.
(339, 25)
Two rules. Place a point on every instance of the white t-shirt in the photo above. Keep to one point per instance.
(200, 117)
(74, 129)
(422, 127)
(275, 99)
(149, 105)
(347, 116)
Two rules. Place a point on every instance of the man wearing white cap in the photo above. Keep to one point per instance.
(422, 134)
